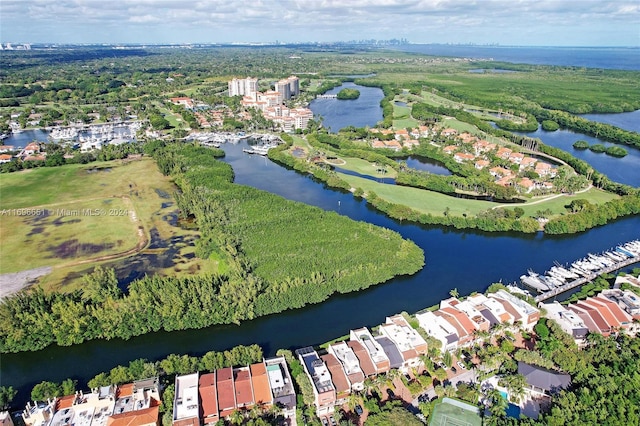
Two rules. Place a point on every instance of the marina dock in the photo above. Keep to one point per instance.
(560, 279)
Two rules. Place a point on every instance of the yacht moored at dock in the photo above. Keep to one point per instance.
(559, 279)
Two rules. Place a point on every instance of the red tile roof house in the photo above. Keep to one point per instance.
(516, 157)
(611, 312)
(145, 417)
(260, 381)
(601, 325)
(449, 149)
(373, 348)
(449, 132)
(459, 320)
(338, 378)
(503, 153)
(226, 391)
(481, 164)
(461, 157)
(208, 398)
(242, 384)
(5, 158)
(527, 162)
(401, 134)
(366, 364)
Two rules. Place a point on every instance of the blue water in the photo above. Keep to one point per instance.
(622, 170)
(362, 112)
(625, 120)
(621, 58)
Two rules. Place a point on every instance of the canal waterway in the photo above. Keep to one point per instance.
(466, 260)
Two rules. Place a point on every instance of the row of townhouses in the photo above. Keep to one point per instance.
(205, 398)
(457, 323)
(607, 313)
(132, 404)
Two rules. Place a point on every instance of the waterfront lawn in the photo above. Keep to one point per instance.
(419, 199)
(364, 167)
(435, 203)
(557, 204)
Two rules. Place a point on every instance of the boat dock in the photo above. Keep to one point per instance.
(580, 281)
(559, 279)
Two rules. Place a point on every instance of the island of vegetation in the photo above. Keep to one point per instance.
(348, 94)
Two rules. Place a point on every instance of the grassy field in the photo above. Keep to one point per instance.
(121, 196)
(435, 203)
(402, 117)
(419, 199)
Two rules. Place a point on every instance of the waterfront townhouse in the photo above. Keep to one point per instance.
(391, 351)
(243, 388)
(338, 378)
(592, 318)
(260, 384)
(440, 329)
(465, 329)
(408, 341)
(528, 314)
(365, 361)
(281, 386)
(208, 398)
(323, 390)
(606, 305)
(491, 309)
(568, 320)
(479, 321)
(226, 392)
(627, 300)
(186, 403)
(129, 404)
(376, 352)
(350, 364)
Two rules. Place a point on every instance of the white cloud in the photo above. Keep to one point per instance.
(418, 20)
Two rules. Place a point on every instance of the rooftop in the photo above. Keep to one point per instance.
(317, 369)
(186, 403)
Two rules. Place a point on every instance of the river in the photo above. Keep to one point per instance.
(467, 260)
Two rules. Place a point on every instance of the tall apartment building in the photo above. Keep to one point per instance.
(243, 86)
(288, 87)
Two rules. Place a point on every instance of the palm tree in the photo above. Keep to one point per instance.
(237, 417)
(498, 405)
(454, 292)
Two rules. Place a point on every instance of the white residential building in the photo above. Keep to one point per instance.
(440, 329)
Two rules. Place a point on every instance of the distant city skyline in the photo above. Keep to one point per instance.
(504, 22)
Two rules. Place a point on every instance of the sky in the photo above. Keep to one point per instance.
(504, 22)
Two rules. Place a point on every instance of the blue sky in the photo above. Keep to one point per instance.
(507, 22)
